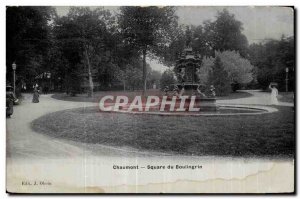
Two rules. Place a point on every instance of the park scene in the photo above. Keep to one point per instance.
(167, 83)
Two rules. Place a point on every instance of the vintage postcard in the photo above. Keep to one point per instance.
(169, 99)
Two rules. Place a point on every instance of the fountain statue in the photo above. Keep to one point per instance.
(186, 69)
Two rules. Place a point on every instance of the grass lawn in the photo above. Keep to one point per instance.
(131, 94)
(267, 135)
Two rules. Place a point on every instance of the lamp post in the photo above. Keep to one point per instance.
(286, 79)
(14, 67)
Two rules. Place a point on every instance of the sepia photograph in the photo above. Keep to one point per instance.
(150, 99)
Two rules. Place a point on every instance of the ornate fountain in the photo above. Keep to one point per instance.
(186, 70)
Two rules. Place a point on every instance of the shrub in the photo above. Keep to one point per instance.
(167, 79)
(219, 78)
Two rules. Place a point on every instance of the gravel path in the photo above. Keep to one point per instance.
(257, 98)
(23, 142)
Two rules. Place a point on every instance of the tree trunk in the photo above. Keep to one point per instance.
(91, 84)
(144, 72)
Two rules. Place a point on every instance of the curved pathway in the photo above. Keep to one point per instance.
(23, 142)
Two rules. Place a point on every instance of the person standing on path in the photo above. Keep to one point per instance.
(35, 98)
(274, 94)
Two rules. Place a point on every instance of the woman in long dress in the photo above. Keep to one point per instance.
(35, 98)
(274, 94)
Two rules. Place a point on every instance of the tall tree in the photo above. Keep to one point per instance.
(222, 34)
(218, 77)
(239, 69)
(200, 42)
(148, 29)
(226, 33)
(27, 37)
(271, 59)
(87, 30)
(175, 48)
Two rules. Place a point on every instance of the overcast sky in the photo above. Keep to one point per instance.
(259, 23)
